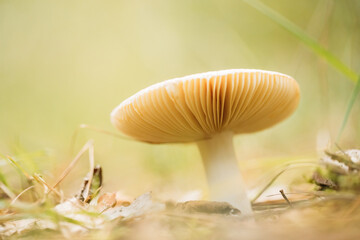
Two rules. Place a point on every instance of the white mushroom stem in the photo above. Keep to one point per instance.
(224, 178)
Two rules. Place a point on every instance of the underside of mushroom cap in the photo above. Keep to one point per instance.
(199, 106)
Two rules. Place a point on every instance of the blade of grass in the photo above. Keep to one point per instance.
(19, 195)
(7, 191)
(280, 171)
(46, 186)
(304, 38)
(91, 171)
(73, 162)
(350, 105)
(93, 128)
(3, 179)
(20, 168)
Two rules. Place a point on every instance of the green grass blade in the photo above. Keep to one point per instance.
(2, 176)
(354, 94)
(280, 171)
(305, 38)
(3, 179)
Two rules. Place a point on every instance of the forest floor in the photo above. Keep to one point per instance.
(330, 211)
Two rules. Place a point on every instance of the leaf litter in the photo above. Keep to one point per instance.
(90, 214)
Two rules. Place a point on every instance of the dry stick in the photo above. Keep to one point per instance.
(72, 164)
(19, 195)
(285, 197)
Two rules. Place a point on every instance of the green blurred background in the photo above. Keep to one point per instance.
(64, 63)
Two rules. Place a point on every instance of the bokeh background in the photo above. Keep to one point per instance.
(65, 63)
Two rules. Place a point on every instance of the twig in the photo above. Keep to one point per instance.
(285, 197)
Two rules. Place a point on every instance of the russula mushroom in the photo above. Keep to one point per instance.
(209, 108)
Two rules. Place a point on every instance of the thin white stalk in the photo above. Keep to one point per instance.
(224, 178)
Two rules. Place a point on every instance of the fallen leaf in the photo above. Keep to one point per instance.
(79, 212)
(10, 228)
(141, 205)
(88, 193)
(110, 200)
(106, 201)
(323, 182)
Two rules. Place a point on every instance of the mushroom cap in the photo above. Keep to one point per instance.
(198, 106)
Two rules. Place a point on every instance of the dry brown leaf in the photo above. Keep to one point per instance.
(106, 201)
(110, 200)
(323, 182)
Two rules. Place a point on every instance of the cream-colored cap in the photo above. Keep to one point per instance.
(199, 106)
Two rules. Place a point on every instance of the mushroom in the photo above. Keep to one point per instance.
(209, 108)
